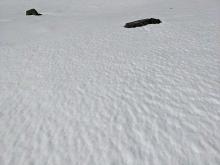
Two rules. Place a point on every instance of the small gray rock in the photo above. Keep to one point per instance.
(142, 22)
(32, 12)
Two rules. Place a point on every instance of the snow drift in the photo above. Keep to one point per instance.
(78, 88)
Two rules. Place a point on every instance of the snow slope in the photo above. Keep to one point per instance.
(76, 88)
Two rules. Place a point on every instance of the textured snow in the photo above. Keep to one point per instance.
(76, 88)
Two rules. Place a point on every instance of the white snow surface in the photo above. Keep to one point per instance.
(77, 88)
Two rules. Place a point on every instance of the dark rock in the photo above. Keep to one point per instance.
(32, 12)
(142, 22)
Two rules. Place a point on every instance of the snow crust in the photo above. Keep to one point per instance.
(76, 88)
